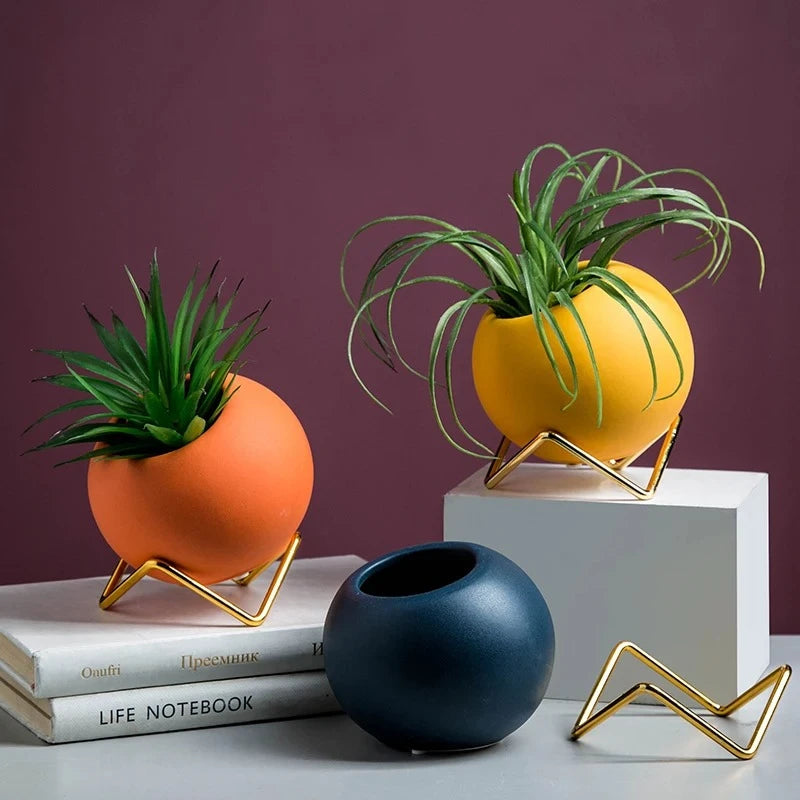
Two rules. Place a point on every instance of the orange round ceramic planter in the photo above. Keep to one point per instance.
(225, 503)
(521, 395)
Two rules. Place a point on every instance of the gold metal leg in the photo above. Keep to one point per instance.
(778, 678)
(118, 586)
(498, 470)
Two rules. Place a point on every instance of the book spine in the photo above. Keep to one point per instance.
(198, 705)
(113, 666)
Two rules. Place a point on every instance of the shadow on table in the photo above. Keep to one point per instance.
(338, 738)
(597, 754)
(14, 733)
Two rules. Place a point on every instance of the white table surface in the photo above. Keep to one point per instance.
(643, 752)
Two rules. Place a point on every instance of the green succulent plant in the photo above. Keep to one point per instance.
(159, 396)
(560, 255)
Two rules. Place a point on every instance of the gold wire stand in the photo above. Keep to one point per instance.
(118, 586)
(498, 470)
(779, 677)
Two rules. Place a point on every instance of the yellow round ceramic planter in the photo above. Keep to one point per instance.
(520, 393)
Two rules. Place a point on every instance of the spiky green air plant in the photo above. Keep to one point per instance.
(154, 398)
(549, 271)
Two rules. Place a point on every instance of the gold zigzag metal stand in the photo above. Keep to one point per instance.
(117, 586)
(499, 470)
(778, 679)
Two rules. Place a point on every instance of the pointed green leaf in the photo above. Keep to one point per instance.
(156, 409)
(180, 335)
(227, 395)
(137, 292)
(135, 358)
(436, 345)
(117, 396)
(121, 450)
(620, 298)
(566, 301)
(196, 305)
(189, 409)
(85, 403)
(194, 429)
(118, 347)
(208, 319)
(161, 351)
(92, 432)
(167, 436)
(97, 366)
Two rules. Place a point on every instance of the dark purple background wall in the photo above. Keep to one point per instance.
(264, 133)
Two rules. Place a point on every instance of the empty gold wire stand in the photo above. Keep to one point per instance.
(778, 678)
(498, 470)
(117, 586)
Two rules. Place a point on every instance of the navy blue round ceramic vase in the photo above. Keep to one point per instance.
(444, 646)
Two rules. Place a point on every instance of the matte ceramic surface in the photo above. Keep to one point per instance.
(225, 503)
(521, 395)
(443, 646)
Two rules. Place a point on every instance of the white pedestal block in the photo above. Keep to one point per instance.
(684, 575)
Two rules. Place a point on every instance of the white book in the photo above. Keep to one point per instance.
(169, 708)
(55, 640)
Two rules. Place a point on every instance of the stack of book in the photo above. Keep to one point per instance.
(162, 659)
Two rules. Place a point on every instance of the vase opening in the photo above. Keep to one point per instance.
(418, 571)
